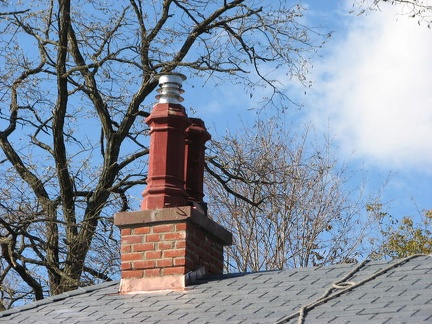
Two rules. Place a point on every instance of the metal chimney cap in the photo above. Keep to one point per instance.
(170, 88)
(172, 77)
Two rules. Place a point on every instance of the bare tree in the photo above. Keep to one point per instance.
(286, 199)
(74, 80)
(417, 9)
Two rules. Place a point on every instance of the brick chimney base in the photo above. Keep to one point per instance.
(163, 249)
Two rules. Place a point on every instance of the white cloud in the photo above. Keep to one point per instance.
(375, 83)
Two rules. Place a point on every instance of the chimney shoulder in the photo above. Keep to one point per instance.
(171, 216)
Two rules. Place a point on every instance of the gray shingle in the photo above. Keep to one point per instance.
(401, 294)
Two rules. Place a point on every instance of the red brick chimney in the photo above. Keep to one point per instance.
(171, 241)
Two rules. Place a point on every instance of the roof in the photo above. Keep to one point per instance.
(372, 292)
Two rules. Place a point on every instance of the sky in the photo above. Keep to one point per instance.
(374, 83)
(371, 90)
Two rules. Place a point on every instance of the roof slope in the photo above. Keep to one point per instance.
(400, 293)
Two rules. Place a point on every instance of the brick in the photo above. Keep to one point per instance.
(192, 249)
(165, 245)
(126, 231)
(174, 236)
(174, 271)
(126, 248)
(205, 256)
(153, 254)
(180, 227)
(180, 244)
(144, 264)
(142, 230)
(126, 266)
(132, 274)
(131, 239)
(163, 263)
(140, 247)
(216, 254)
(213, 269)
(131, 256)
(174, 253)
(195, 242)
(153, 238)
(200, 236)
(218, 267)
(163, 228)
(191, 230)
(191, 259)
(152, 273)
(179, 261)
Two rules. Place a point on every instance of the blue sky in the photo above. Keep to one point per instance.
(371, 91)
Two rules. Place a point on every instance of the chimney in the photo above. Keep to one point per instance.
(168, 123)
(171, 241)
(196, 137)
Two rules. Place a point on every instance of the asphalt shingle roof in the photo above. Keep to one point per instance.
(401, 294)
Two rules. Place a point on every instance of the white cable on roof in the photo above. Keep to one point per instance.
(342, 287)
